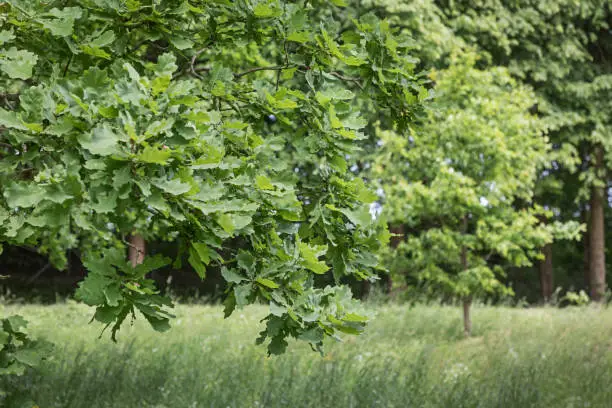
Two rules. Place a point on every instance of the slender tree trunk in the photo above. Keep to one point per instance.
(398, 235)
(467, 318)
(366, 288)
(597, 257)
(586, 252)
(467, 301)
(388, 283)
(546, 273)
(136, 251)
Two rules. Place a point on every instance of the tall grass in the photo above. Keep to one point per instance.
(409, 357)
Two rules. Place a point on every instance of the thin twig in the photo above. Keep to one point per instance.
(235, 108)
(286, 53)
(40, 272)
(8, 103)
(203, 69)
(137, 46)
(67, 66)
(348, 79)
(138, 250)
(279, 68)
(8, 97)
(193, 62)
(270, 68)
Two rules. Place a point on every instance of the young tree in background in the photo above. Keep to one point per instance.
(462, 184)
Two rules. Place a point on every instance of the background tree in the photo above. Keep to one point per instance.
(463, 182)
(562, 49)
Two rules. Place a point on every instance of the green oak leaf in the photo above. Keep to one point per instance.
(6, 36)
(154, 155)
(196, 262)
(17, 64)
(263, 183)
(242, 293)
(267, 283)
(23, 195)
(262, 10)
(102, 140)
(174, 187)
(231, 275)
(310, 256)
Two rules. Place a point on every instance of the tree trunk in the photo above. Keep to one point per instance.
(597, 257)
(136, 251)
(467, 301)
(546, 273)
(366, 288)
(467, 318)
(388, 283)
(398, 235)
(586, 252)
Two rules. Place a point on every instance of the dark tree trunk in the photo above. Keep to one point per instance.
(397, 235)
(586, 269)
(546, 273)
(366, 288)
(388, 283)
(597, 256)
(467, 318)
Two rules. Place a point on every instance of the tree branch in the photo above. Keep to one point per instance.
(193, 62)
(347, 79)
(37, 274)
(67, 66)
(237, 75)
(256, 69)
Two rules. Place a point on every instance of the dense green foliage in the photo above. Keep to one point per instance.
(563, 49)
(18, 350)
(18, 353)
(408, 357)
(150, 119)
(245, 139)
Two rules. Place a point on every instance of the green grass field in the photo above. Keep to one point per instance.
(408, 357)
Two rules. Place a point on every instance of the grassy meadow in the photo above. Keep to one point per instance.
(408, 357)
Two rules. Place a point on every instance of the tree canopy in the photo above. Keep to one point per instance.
(562, 49)
(222, 125)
